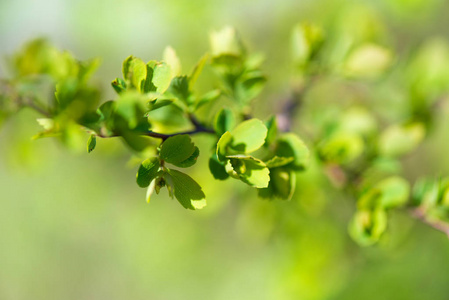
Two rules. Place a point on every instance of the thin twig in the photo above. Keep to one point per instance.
(22, 100)
(419, 214)
(162, 136)
(291, 106)
(198, 129)
(30, 103)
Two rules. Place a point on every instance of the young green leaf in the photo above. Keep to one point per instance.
(126, 65)
(131, 106)
(155, 104)
(397, 140)
(197, 70)
(251, 84)
(150, 190)
(226, 42)
(177, 149)
(290, 145)
(161, 77)
(119, 85)
(282, 184)
(342, 147)
(279, 161)
(186, 190)
(223, 145)
(91, 143)
(147, 171)
(136, 141)
(189, 161)
(367, 226)
(251, 170)
(207, 98)
(172, 59)
(425, 192)
(147, 85)
(272, 132)
(106, 110)
(136, 72)
(368, 61)
(224, 121)
(391, 192)
(217, 168)
(306, 41)
(180, 88)
(249, 136)
(46, 123)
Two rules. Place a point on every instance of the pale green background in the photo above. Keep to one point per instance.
(75, 225)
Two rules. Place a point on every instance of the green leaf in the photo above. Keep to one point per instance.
(159, 103)
(397, 140)
(40, 57)
(193, 77)
(150, 190)
(391, 192)
(224, 121)
(91, 143)
(147, 85)
(186, 190)
(273, 131)
(278, 161)
(368, 61)
(106, 110)
(65, 92)
(223, 145)
(250, 170)
(341, 147)
(226, 42)
(217, 168)
(172, 59)
(119, 85)
(425, 192)
(306, 41)
(428, 70)
(46, 123)
(282, 184)
(180, 88)
(135, 71)
(87, 68)
(177, 149)
(358, 120)
(367, 226)
(147, 171)
(131, 106)
(252, 83)
(136, 141)
(249, 136)
(228, 63)
(290, 145)
(160, 182)
(191, 160)
(125, 66)
(208, 97)
(162, 77)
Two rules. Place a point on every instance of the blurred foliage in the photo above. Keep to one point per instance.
(371, 162)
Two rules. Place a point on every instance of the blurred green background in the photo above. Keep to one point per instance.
(75, 225)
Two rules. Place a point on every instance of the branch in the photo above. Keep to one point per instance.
(30, 103)
(22, 100)
(199, 128)
(291, 106)
(162, 136)
(419, 214)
